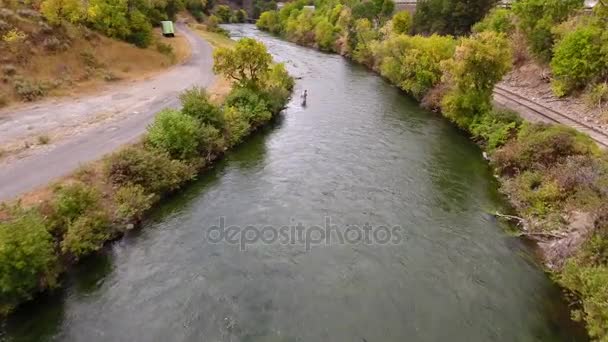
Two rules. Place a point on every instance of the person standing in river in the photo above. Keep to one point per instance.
(304, 95)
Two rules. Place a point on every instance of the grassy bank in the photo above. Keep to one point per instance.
(99, 202)
(556, 177)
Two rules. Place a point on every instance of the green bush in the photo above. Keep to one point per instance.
(86, 234)
(539, 146)
(590, 283)
(223, 12)
(211, 139)
(498, 20)
(537, 18)
(155, 171)
(27, 258)
(132, 202)
(70, 201)
(140, 30)
(237, 125)
(536, 193)
(196, 103)
(495, 128)
(29, 90)
(176, 133)
(579, 59)
(269, 21)
(597, 95)
(250, 104)
(402, 22)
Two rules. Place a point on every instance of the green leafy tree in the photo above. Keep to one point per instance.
(56, 11)
(479, 63)
(453, 17)
(176, 133)
(374, 10)
(86, 234)
(402, 22)
(224, 12)
(27, 258)
(537, 18)
(269, 21)
(579, 59)
(498, 20)
(247, 63)
(324, 35)
(110, 17)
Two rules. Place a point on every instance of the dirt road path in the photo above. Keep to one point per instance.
(133, 107)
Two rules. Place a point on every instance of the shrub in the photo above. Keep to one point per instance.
(176, 133)
(153, 170)
(211, 139)
(57, 11)
(536, 18)
(537, 194)
(196, 103)
(237, 125)
(589, 282)
(29, 90)
(539, 146)
(250, 104)
(402, 22)
(269, 21)
(579, 59)
(9, 70)
(27, 259)
(499, 20)
(86, 234)
(495, 127)
(70, 201)
(132, 201)
(597, 95)
(165, 49)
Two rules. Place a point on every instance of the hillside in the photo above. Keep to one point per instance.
(40, 59)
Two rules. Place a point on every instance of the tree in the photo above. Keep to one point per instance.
(196, 103)
(537, 18)
(402, 22)
(27, 258)
(479, 63)
(269, 21)
(224, 12)
(453, 17)
(247, 63)
(324, 35)
(56, 11)
(110, 17)
(579, 59)
(374, 10)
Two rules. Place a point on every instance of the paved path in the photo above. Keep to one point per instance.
(138, 103)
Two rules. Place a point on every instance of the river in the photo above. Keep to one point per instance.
(359, 154)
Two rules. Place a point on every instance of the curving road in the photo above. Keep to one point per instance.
(135, 105)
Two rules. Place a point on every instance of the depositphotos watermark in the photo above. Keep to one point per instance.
(300, 234)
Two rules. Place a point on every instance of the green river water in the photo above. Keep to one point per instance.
(359, 153)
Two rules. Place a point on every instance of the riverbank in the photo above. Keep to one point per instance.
(553, 175)
(102, 201)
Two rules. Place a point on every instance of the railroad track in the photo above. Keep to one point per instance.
(552, 115)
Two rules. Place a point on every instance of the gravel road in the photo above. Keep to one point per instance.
(133, 104)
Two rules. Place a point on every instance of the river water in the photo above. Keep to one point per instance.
(360, 154)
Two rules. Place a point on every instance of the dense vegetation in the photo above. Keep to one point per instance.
(95, 206)
(553, 174)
